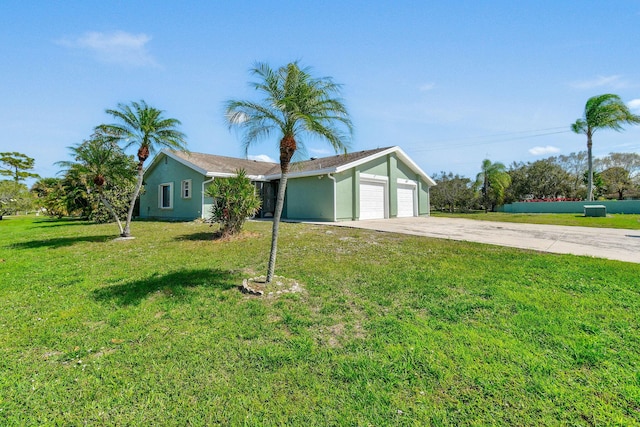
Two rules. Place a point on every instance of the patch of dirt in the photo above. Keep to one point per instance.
(258, 286)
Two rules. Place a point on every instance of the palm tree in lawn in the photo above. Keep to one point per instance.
(294, 105)
(97, 161)
(493, 179)
(146, 128)
(601, 112)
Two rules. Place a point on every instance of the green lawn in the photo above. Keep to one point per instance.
(390, 330)
(631, 222)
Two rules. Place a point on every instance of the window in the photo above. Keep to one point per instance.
(165, 196)
(186, 189)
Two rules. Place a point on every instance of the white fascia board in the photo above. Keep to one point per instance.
(301, 174)
(229, 175)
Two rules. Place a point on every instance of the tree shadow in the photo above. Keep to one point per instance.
(59, 222)
(173, 284)
(58, 242)
(197, 237)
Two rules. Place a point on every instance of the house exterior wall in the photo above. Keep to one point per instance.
(310, 198)
(169, 171)
(307, 198)
(348, 187)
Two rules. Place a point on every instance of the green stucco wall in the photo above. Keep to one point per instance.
(307, 198)
(167, 170)
(348, 184)
(613, 206)
(310, 198)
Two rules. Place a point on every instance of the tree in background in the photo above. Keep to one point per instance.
(16, 166)
(14, 197)
(575, 164)
(597, 183)
(627, 161)
(50, 195)
(234, 200)
(294, 105)
(548, 180)
(453, 193)
(601, 112)
(493, 180)
(102, 166)
(616, 180)
(144, 127)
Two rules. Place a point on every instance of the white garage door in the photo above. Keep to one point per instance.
(372, 200)
(406, 200)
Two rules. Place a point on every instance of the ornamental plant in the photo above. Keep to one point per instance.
(234, 200)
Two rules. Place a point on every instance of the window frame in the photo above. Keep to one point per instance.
(186, 188)
(161, 195)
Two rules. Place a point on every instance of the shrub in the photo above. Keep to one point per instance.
(234, 200)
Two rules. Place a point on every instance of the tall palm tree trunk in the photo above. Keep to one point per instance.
(276, 224)
(590, 173)
(127, 227)
(288, 146)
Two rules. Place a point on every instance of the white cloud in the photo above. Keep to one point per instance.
(540, 151)
(261, 158)
(615, 81)
(634, 105)
(427, 86)
(118, 47)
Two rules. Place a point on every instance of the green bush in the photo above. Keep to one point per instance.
(234, 200)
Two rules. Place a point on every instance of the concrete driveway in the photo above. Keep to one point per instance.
(616, 244)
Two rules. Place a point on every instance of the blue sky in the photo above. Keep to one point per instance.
(451, 83)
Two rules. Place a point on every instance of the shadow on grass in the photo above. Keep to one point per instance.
(58, 242)
(172, 284)
(60, 222)
(197, 237)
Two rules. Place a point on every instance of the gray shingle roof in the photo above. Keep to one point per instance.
(221, 164)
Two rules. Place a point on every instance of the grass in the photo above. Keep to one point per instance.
(631, 222)
(390, 330)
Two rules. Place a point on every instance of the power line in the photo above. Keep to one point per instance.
(501, 137)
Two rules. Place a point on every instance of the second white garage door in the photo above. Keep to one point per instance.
(406, 200)
(372, 200)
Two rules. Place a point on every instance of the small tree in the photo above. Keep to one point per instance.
(617, 181)
(453, 193)
(234, 200)
(16, 166)
(492, 181)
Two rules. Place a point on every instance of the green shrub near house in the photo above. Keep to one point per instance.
(234, 201)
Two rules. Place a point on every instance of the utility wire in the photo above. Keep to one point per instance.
(501, 137)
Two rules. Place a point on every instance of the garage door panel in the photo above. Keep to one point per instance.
(372, 200)
(406, 201)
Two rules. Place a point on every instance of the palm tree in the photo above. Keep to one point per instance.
(294, 105)
(98, 161)
(493, 180)
(144, 127)
(601, 112)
